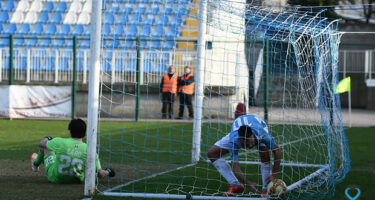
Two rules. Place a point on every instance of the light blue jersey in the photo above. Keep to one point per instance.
(259, 128)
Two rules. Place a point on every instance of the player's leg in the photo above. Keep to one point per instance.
(164, 105)
(215, 154)
(182, 106)
(265, 166)
(189, 104)
(171, 103)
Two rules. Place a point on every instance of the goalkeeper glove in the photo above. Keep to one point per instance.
(111, 172)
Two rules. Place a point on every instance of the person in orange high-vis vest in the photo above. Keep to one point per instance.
(168, 89)
(186, 91)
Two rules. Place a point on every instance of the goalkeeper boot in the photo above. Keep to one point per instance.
(233, 189)
(33, 166)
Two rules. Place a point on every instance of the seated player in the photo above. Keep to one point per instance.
(247, 131)
(65, 158)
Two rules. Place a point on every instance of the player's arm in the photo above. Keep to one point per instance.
(276, 160)
(239, 174)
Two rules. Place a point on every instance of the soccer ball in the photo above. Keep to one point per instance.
(276, 187)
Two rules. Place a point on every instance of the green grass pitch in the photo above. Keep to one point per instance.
(19, 138)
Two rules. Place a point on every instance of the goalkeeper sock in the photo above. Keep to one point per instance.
(266, 171)
(226, 171)
(39, 158)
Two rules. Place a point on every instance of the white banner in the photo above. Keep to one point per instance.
(35, 101)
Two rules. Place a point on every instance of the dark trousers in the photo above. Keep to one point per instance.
(186, 99)
(168, 101)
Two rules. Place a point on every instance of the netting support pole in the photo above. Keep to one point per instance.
(138, 89)
(93, 98)
(11, 60)
(199, 93)
(266, 77)
(74, 83)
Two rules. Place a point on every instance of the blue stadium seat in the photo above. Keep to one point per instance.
(141, 9)
(11, 29)
(48, 7)
(146, 31)
(155, 44)
(38, 29)
(110, 19)
(60, 42)
(115, 8)
(169, 44)
(184, 1)
(107, 30)
(163, 20)
(1, 28)
(119, 30)
(113, 44)
(9, 6)
(57, 18)
(173, 32)
(4, 17)
(85, 43)
(132, 31)
(124, 19)
(154, 9)
(150, 19)
(137, 19)
(51, 29)
(177, 20)
(46, 42)
(159, 32)
(25, 29)
(44, 17)
(79, 29)
(4, 42)
(129, 43)
(32, 42)
(19, 40)
(168, 9)
(128, 8)
(172, 1)
(65, 29)
(182, 10)
(62, 7)
(143, 43)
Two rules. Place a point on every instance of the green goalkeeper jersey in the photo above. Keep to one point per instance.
(68, 166)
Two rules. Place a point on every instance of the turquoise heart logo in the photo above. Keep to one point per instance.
(352, 187)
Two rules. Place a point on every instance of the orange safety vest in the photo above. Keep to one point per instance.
(187, 89)
(170, 84)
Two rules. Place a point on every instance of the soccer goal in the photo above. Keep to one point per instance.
(280, 62)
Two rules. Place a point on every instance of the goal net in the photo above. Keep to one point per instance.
(279, 62)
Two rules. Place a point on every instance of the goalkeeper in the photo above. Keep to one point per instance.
(247, 131)
(64, 159)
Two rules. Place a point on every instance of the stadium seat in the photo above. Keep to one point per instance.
(87, 7)
(79, 29)
(154, 9)
(177, 20)
(60, 42)
(107, 30)
(43, 17)
(113, 44)
(17, 17)
(22, 6)
(182, 10)
(48, 7)
(115, 8)
(25, 29)
(36, 6)
(172, 1)
(51, 29)
(31, 18)
(65, 29)
(173, 32)
(4, 17)
(128, 8)
(129, 43)
(132, 31)
(184, 1)
(141, 9)
(62, 7)
(70, 18)
(163, 20)
(85, 43)
(4, 41)
(46, 42)
(84, 18)
(11, 29)
(57, 18)
(146, 31)
(155, 44)
(137, 19)
(38, 29)
(1, 28)
(123, 19)
(32, 42)
(150, 19)
(9, 6)
(110, 19)
(75, 7)
(119, 30)
(169, 44)
(159, 31)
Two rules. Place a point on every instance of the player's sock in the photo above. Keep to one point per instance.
(226, 171)
(39, 158)
(266, 171)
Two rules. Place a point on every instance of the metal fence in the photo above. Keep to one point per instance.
(56, 65)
